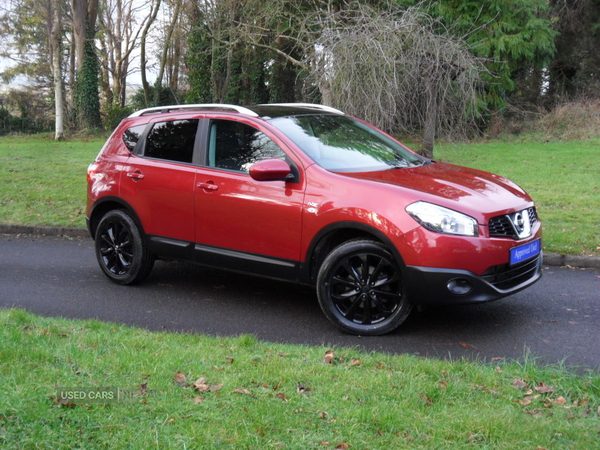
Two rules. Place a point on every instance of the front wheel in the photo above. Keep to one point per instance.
(120, 249)
(360, 290)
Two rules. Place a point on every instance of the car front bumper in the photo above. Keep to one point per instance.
(437, 286)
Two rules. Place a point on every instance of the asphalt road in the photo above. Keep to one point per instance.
(556, 320)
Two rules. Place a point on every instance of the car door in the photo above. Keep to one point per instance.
(158, 182)
(244, 224)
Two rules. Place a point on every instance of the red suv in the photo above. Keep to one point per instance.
(307, 194)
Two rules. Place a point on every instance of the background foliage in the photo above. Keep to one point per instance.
(534, 55)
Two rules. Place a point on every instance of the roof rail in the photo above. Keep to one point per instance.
(307, 105)
(169, 108)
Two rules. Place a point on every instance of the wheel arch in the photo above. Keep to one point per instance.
(105, 205)
(336, 234)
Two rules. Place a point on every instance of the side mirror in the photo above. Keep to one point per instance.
(271, 169)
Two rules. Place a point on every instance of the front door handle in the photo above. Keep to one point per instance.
(209, 186)
(136, 175)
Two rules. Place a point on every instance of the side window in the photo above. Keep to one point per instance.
(173, 140)
(132, 136)
(236, 146)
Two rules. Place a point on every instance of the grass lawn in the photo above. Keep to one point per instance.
(43, 182)
(563, 178)
(198, 392)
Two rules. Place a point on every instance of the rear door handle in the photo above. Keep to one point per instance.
(136, 175)
(209, 186)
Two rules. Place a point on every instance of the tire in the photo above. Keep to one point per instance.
(121, 252)
(360, 290)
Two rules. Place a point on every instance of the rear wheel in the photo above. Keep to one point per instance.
(120, 249)
(360, 290)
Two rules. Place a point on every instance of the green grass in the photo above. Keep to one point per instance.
(261, 395)
(563, 178)
(43, 182)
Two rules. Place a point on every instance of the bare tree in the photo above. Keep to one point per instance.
(168, 40)
(155, 7)
(401, 71)
(121, 23)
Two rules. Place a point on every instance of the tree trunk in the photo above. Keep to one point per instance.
(429, 128)
(145, 85)
(79, 11)
(87, 101)
(55, 48)
(167, 43)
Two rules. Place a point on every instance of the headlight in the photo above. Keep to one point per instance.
(442, 220)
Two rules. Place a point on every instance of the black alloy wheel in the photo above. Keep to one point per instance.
(120, 250)
(359, 287)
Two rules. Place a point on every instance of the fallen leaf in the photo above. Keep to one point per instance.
(342, 446)
(329, 355)
(215, 387)
(282, 397)
(180, 378)
(198, 399)
(354, 363)
(525, 401)
(443, 384)
(535, 412)
(543, 388)
(560, 401)
(144, 388)
(428, 401)
(63, 402)
(200, 385)
(242, 391)
(519, 384)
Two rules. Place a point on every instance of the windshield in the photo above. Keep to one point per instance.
(343, 144)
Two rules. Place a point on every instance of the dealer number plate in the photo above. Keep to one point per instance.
(525, 252)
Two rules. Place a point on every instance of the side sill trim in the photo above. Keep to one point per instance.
(168, 241)
(245, 256)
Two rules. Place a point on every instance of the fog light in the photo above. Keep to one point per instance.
(459, 286)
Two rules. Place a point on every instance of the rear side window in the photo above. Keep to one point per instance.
(172, 140)
(132, 136)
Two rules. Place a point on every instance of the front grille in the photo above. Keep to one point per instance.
(502, 226)
(533, 217)
(505, 276)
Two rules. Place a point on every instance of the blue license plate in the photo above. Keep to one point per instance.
(525, 252)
